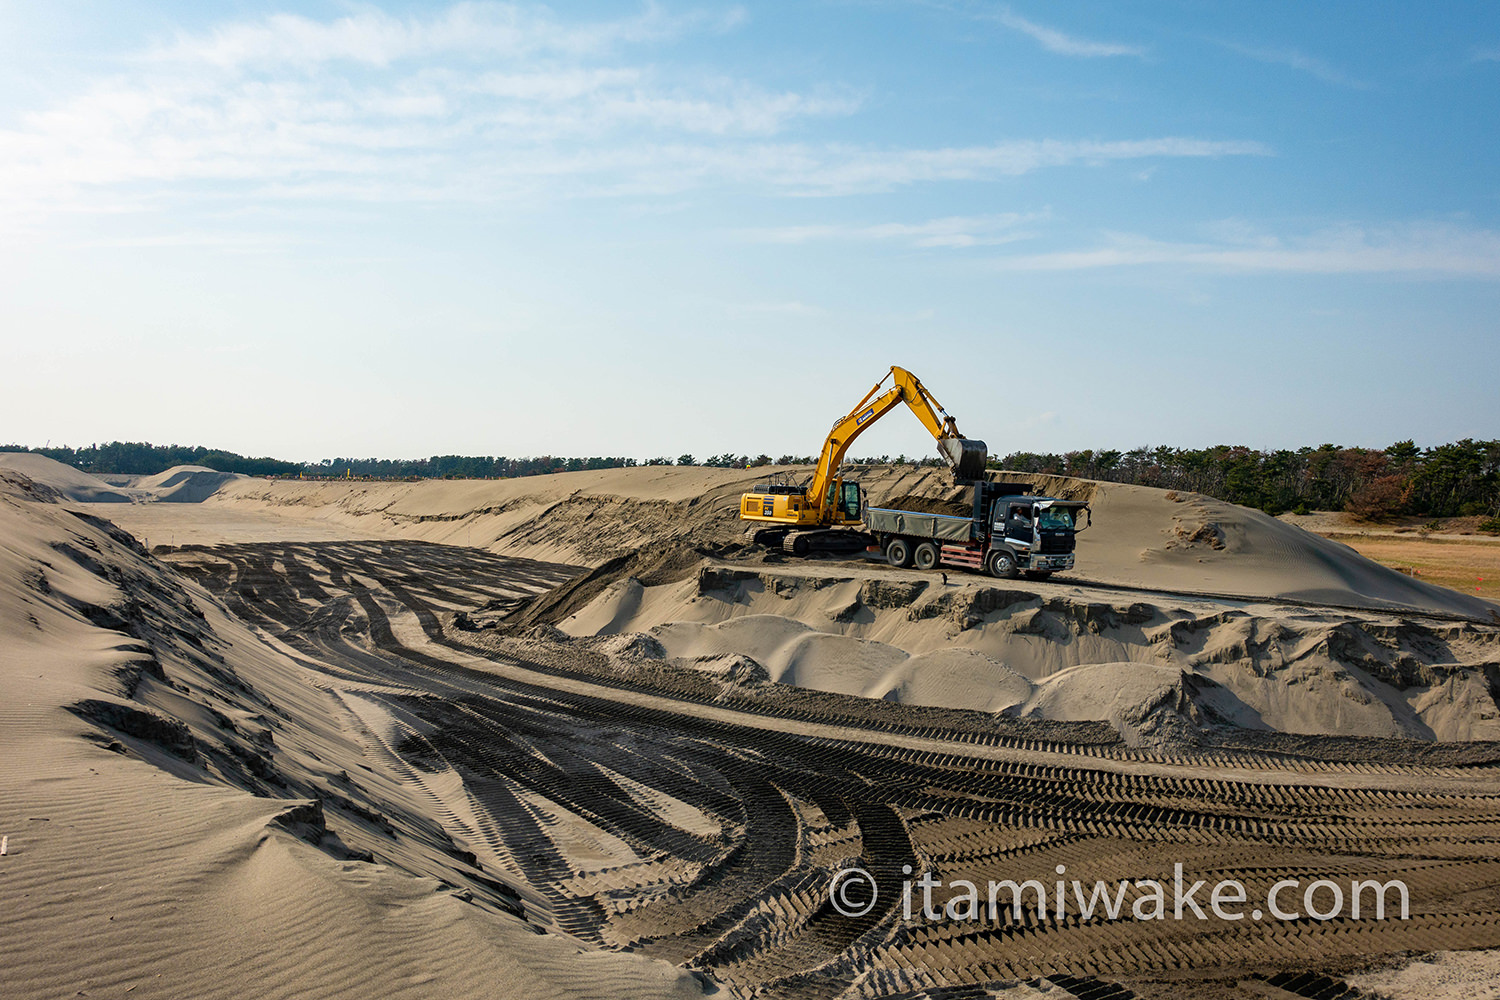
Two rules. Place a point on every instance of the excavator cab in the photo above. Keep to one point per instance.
(845, 501)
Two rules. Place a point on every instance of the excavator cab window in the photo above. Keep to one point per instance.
(850, 504)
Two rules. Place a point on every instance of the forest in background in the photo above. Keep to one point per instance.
(1458, 479)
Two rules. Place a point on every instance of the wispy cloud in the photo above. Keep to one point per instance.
(476, 103)
(1057, 41)
(1417, 249)
(951, 232)
(475, 29)
(1487, 55)
(1302, 62)
(842, 170)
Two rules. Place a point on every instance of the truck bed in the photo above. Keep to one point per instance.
(917, 524)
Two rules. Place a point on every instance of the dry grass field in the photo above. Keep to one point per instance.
(1470, 565)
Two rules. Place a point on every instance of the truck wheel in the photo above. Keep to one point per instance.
(1038, 574)
(898, 552)
(926, 556)
(1002, 564)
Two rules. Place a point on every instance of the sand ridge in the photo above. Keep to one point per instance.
(161, 810)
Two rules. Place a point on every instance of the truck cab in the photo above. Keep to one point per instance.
(1034, 534)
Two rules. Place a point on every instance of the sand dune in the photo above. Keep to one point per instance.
(179, 484)
(64, 479)
(161, 805)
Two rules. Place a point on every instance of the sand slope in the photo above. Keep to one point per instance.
(160, 832)
(1140, 538)
(1155, 538)
(66, 480)
(179, 484)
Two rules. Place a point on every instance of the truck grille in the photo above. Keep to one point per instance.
(1060, 542)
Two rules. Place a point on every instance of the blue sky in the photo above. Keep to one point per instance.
(327, 229)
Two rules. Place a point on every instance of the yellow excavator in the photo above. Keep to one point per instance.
(817, 516)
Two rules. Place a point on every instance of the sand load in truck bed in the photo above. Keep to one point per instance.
(929, 505)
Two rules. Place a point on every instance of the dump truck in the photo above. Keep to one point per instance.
(1008, 532)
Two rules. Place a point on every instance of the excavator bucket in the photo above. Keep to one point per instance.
(965, 456)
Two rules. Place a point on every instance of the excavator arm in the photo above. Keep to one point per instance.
(964, 456)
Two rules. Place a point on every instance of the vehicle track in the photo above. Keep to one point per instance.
(878, 563)
(730, 876)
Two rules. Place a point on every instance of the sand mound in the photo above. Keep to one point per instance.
(180, 484)
(66, 480)
(932, 505)
(186, 483)
(959, 677)
(1067, 655)
(1170, 541)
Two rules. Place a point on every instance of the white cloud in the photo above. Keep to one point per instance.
(863, 170)
(1487, 55)
(477, 103)
(953, 231)
(375, 38)
(1068, 45)
(1419, 249)
(1302, 62)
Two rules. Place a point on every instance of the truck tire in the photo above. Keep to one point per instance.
(898, 552)
(1002, 564)
(925, 556)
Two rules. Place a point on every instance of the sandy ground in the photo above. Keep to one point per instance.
(661, 762)
(152, 848)
(213, 524)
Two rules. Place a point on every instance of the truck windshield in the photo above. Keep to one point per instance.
(1056, 519)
